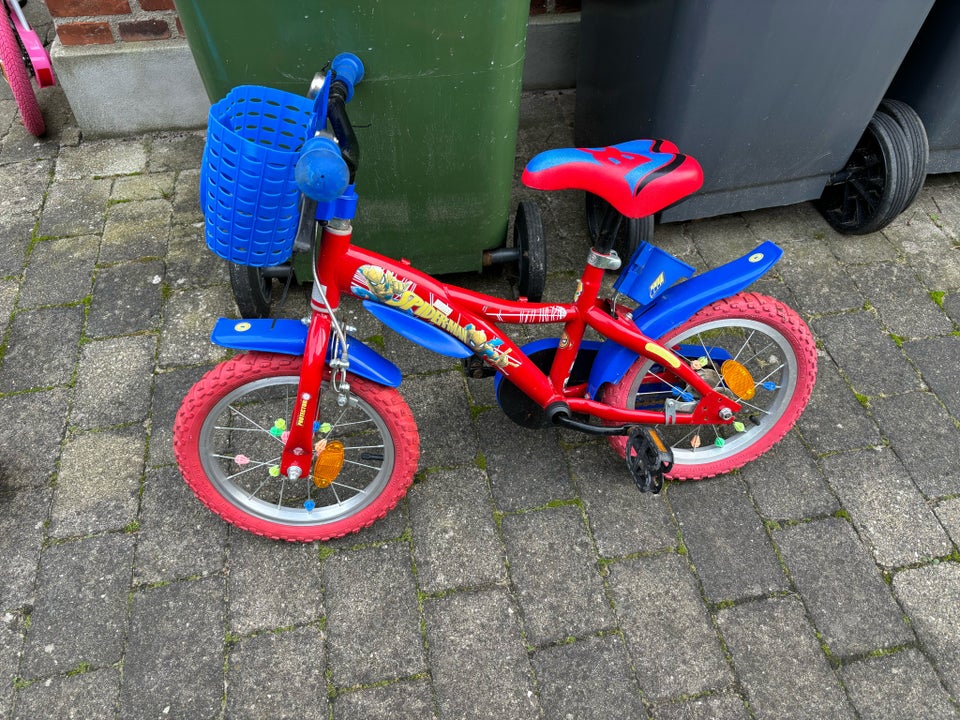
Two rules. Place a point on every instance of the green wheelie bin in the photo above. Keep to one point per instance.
(436, 114)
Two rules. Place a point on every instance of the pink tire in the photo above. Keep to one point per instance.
(224, 446)
(17, 76)
(760, 333)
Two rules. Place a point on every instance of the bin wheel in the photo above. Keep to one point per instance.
(872, 188)
(908, 119)
(528, 238)
(632, 232)
(251, 290)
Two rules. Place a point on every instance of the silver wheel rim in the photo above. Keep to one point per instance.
(243, 419)
(765, 352)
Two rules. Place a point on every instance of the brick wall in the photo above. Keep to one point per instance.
(104, 22)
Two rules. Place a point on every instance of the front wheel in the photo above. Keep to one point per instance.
(17, 76)
(228, 438)
(752, 348)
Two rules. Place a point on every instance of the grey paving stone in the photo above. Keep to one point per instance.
(477, 659)
(924, 437)
(399, 701)
(80, 616)
(841, 587)
(455, 542)
(173, 665)
(186, 198)
(169, 389)
(190, 264)
(554, 568)
(726, 540)
(904, 304)
(439, 406)
(101, 158)
(928, 248)
(526, 467)
(870, 483)
(786, 482)
(937, 358)
(59, 272)
(178, 536)
(22, 517)
(931, 598)
(834, 418)
(41, 348)
(115, 377)
(189, 316)
(176, 151)
(98, 487)
(951, 305)
(24, 185)
(89, 695)
(718, 706)
(17, 230)
(11, 640)
(819, 283)
(588, 679)
(673, 644)
(136, 229)
(622, 519)
(949, 514)
(29, 452)
(145, 186)
(126, 299)
(897, 686)
(373, 622)
(271, 584)
(75, 207)
(9, 289)
(779, 662)
(867, 355)
(278, 675)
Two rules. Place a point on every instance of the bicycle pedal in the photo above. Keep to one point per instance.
(648, 458)
(476, 368)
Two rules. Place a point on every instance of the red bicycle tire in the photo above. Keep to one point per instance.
(750, 307)
(19, 79)
(248, 368)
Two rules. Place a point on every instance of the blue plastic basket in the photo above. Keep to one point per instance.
(650, 272)
(248, 194)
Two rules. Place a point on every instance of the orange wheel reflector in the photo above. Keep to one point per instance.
(738, 379)
(328, 464)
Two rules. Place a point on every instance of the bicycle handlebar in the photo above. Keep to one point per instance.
(326, 168)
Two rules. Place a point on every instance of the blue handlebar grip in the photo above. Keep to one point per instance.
(321, 171)
(349, 69)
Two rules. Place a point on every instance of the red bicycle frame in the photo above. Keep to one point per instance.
(472, 318)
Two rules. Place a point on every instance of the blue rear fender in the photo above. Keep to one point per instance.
(678, 304)
(289, 337)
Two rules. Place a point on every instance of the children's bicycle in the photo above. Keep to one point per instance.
(304, 436)
(22, 54)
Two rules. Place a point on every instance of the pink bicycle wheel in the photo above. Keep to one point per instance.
(774, 366)
(228, 438)
(17, 76)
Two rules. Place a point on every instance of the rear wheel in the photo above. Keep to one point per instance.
(15, 70)
(752, 348)
(228, 438)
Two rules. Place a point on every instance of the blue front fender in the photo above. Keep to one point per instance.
(289, 337)
(678, 304)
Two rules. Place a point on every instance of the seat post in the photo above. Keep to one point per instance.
(607, 234)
